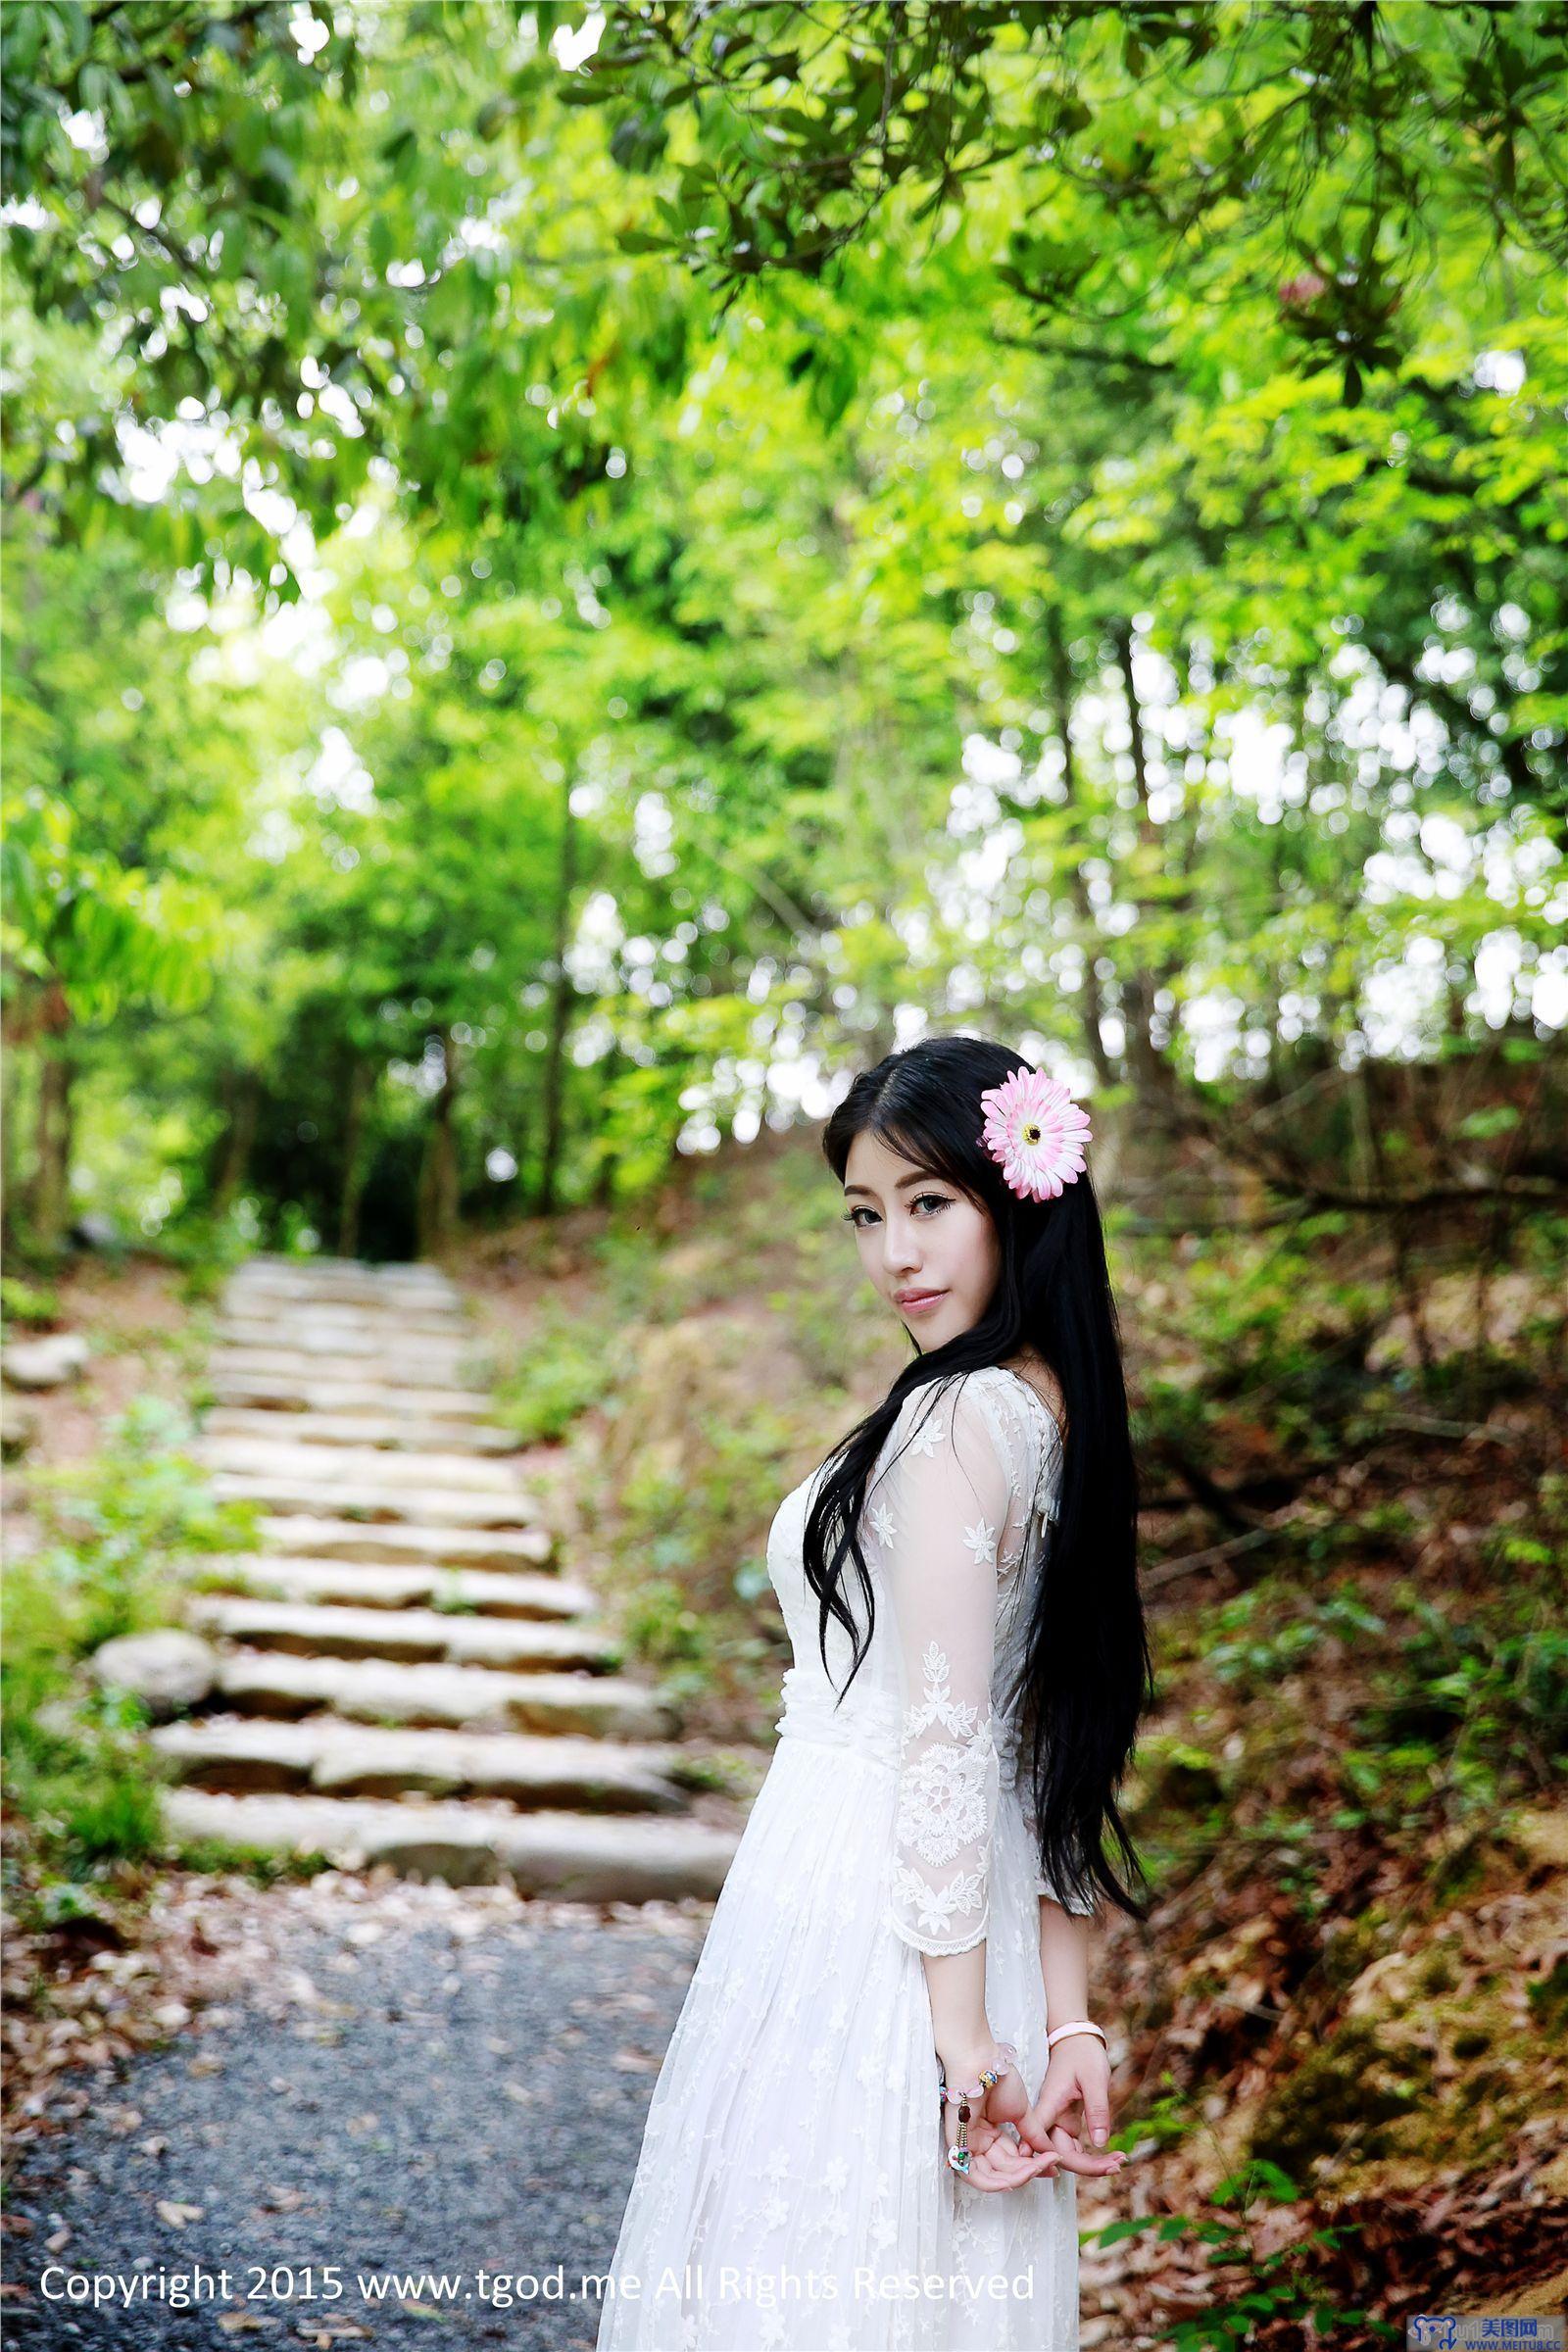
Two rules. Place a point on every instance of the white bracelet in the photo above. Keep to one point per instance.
(1083, 2026)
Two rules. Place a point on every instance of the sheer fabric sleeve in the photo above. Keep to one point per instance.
(942, 1507)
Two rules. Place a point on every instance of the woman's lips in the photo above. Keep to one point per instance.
(917, 1301)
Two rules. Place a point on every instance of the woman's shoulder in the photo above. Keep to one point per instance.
(987, 1405)
(1024, 1412)
(1035, 1374)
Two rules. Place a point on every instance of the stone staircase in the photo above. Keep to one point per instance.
(405, 1677)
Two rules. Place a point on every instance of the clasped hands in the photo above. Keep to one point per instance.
(1014, 2138)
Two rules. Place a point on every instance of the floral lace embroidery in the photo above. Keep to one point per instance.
(942, 1535)
(942, 1798)
(982, 1541)
(944, 1801)
(928, 1436)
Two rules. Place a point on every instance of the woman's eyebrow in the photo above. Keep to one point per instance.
(918, 1176)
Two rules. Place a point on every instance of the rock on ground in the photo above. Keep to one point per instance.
(44, 1363)
(168, 1669)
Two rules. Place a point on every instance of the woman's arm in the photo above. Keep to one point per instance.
(959, 2026)
(1063, 1962)
(939, 1520)
(1078, 2070)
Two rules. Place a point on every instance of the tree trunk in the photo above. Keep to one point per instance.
(360, 1089)
(559, 1008)
(1151, 1071)
(438, 1173)
(1094, 1002)
(49, 1202)
(9, 1155)
(245, 1095)
(605, 1174)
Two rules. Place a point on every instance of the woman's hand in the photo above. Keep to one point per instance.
(997, 2160)
(1078, 2075)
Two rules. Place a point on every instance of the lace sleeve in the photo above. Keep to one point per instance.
(940, 1513)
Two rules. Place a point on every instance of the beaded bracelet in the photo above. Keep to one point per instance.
(989, 2075)
(961, 2153)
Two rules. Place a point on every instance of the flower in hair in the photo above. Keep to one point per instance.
(1036, 1131)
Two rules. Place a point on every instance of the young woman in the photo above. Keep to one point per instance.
(885, 2074)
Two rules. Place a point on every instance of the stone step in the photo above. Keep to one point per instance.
(389, 1436)
(384, 1372)
(342, 1304)
(297, 1533)
(356, 1759)
(453, 1638)
(346, 1335)
(376, 1502)
(248, 1323)
(340, 1277)
(292, 1319)
(461, 1698)
(569, 1855)
(344, 1290)
(275, 1455)
(283, 1290)
(402, 1634)
(307, 1392)
(368, 1585)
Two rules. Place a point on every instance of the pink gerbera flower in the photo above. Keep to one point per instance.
(1037, 1131)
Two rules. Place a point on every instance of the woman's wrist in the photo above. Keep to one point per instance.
(1079, 2028)
(966, 2059)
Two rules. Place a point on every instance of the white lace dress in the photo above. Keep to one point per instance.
(792, 2194)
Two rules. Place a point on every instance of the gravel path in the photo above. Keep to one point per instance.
(412, 2080)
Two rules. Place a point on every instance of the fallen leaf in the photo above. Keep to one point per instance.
(177, 2215)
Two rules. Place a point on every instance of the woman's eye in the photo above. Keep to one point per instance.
(935, 1200)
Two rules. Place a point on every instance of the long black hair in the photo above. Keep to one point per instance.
(1086, 1674)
